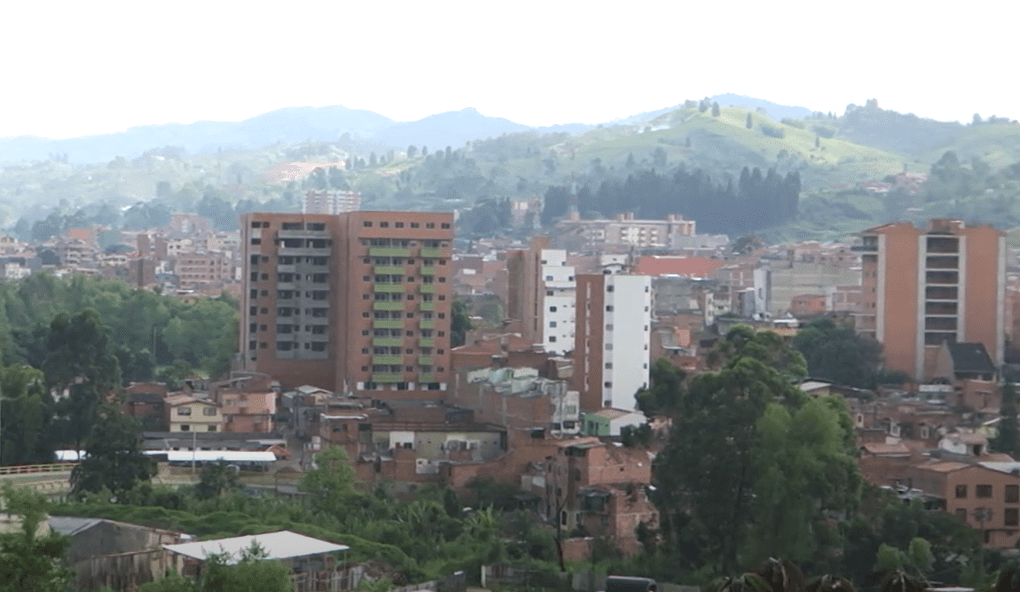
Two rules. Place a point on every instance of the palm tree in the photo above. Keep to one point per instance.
(782, 575)
(747, 582)
(829, 583)
(898, 581)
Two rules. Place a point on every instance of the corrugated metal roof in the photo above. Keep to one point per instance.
(282, 544)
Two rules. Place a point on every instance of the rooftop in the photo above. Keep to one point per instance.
(282, 544)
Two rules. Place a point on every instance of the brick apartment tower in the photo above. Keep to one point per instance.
(921, 288)
(612, 339)
(357, 302)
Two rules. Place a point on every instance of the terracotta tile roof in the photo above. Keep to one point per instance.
(944, 466)
(699, 267)
(880, 449)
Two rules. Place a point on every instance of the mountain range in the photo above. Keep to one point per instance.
(360, 129)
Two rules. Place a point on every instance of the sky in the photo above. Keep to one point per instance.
(80, 68)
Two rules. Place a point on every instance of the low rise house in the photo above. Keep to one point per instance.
(192, 414)
(610, 422)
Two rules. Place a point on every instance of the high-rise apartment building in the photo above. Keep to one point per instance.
(922, 288)
(613, 339)
(541, 294)
(358, 302)
(331, 201)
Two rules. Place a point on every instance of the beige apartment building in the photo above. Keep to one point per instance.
(925, 287)
(356, 303)
(203, 267)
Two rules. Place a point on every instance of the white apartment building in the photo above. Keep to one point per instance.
(559, 301)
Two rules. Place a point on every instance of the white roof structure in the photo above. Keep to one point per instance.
(215, 455)
(188, 455)
(282, 544)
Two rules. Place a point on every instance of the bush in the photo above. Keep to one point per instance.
(825, 132)
(792, 122)
(773, 132)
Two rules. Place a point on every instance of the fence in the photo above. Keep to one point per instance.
(44, 468)
(455, 582)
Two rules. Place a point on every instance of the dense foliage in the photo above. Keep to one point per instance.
(757, 201)
(146, 329)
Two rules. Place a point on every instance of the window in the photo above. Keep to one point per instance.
(552, 323)
(209, 411)
(211, 428)
(609, 308)
(185, 427)
(552, 339)
(1012, 494)
(367, 223)
(384, 225)
(961, 491)
(1012, 516)
(184, 411)
(445, 225)
(983, 491)
(552, 309)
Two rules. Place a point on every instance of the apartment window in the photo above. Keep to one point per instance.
(384, 225)
(367, 223)
(552, 323)
(209, 411)
(609, 288)
(398, 224)
(609, 308)
(256, 241)
(1012, 494)
(608, 384)
(961, 491)
(983, 491)
(445, 225)
(184, 411)
(552, 339)
(415, 225)
(609, 365)
(552, 309)
(365, 332)
(1012, 516)
(211, 428)
(430, 225)
(609, 327)
(185, 427)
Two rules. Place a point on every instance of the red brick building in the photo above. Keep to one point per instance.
(356, 303)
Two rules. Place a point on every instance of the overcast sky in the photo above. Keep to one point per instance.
(79, 68)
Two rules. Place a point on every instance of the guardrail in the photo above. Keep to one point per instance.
(44, 468)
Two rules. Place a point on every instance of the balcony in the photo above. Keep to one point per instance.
(286, 268)
(426, 324)
(387, 324)
(426, 288)
(388, 252)
(424, 360)
(427, 306)
(388, 305)
(431, 252)
(428, 270)
(387, 378)
(316, 234)
(426, 378)
(388, 288)
(388, 270)
(948, 262)
(426, 342)
(388, 342)
(388, 360)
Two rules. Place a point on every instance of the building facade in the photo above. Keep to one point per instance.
(355, 303)
(612, 340)
(923, 288)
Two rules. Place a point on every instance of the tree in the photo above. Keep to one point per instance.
(460, 323)
(113, 456)
(80, 362)
(733, 431)
(331, 481)
(255, 572)
(749, 124)
(662, 397)
(29, 562)
(26, 416)
(215, 479)
(412, 151)
(1008, 437)
(715, 110)
(838, 353)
